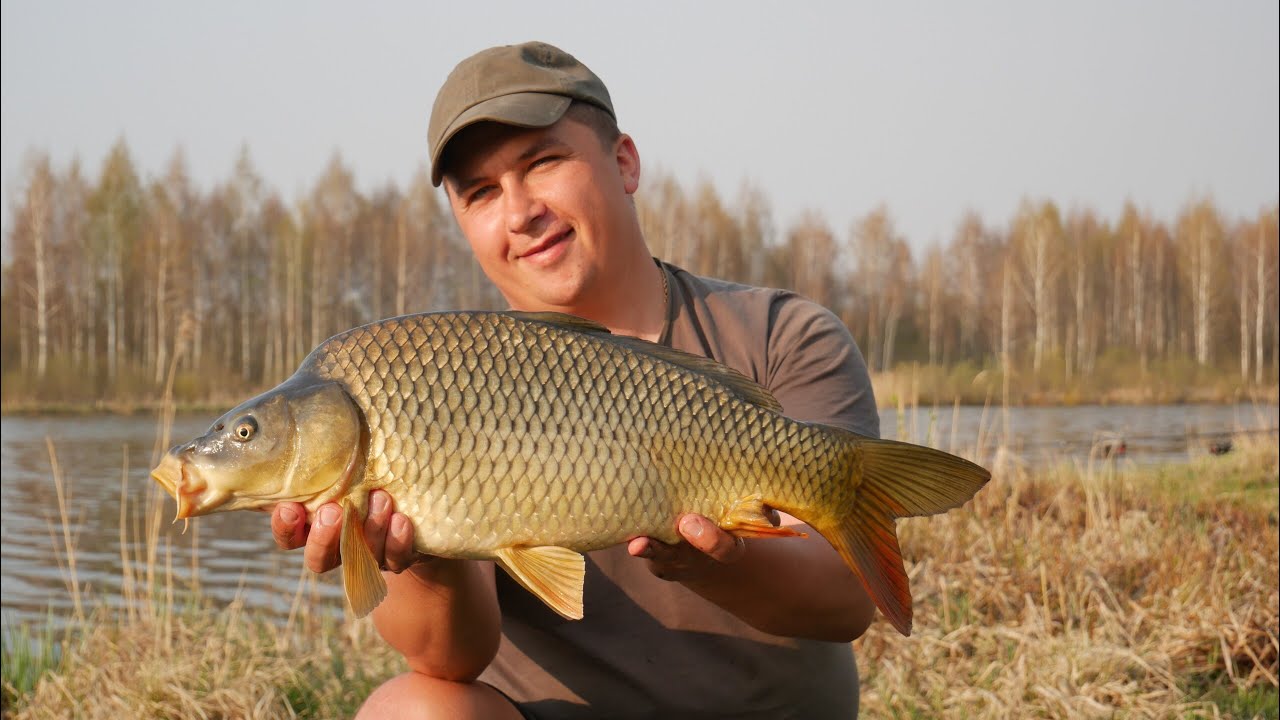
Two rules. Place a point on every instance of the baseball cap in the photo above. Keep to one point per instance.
(527, 85)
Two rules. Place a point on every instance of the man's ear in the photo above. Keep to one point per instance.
(628, 159)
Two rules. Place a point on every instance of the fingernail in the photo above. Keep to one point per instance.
(399, 526)
(328, 515)
(691, 528)
(379, 503)
(289, 515)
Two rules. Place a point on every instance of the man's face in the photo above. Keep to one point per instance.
(546, 211)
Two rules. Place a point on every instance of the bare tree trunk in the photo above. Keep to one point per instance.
(1137, 279)
(935, 308)
(40, 217)
(161, 316)
(1006, 341)
(1164, 299)
(890, 334)
(112, 319)
(245, 315)
(24, 340)
(1260, 296)
(1244, 327)
(317, 282)
(402, 259)
(1200, 280)
(1081, 351)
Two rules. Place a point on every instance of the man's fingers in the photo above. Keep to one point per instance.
(400, 553)
(704, 535)
(321, 552)
(375, 524)
(289, 525)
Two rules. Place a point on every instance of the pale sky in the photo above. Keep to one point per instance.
(931, 108)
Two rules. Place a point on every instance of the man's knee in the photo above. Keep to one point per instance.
(417, 696)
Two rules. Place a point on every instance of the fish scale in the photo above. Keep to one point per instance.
(529, 438)
(563, 489)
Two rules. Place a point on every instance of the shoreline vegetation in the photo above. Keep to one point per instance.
(910, 385)
(1090, 589)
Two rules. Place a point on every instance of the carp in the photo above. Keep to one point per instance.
(530, 438)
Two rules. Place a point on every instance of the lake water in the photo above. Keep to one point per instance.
(234, 556)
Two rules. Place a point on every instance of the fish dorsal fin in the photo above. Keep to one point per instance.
(740, 385)
(571, 322)
(361, 576)
(552, 573)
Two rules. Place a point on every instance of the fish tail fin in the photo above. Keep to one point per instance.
(892, 480)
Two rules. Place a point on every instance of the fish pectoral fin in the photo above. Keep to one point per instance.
(554, 574)
(361, 576)
(747, 518)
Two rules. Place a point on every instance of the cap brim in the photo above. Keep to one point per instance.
(530, 110)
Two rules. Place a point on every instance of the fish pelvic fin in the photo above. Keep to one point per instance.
(554, 574)
(747, 518)
(361, 576)
(896, 480)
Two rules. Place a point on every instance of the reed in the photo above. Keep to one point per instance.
(1095, 589)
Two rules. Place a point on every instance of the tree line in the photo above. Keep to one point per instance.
(110, 281)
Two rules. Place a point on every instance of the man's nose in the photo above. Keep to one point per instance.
(522, 208)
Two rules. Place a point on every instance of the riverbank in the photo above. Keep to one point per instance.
(903, 388)
(1081, 590)
(926, 385)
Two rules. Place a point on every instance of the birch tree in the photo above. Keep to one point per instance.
(1200, 239)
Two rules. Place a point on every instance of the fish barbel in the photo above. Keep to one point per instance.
(530, 438)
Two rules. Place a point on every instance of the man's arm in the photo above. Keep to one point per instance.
(441, 614)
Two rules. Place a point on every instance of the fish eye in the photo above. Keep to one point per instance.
(245, 428)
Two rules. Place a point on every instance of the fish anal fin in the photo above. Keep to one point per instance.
(868, 543)
(361, 576)
(747, 518)
(554, 574)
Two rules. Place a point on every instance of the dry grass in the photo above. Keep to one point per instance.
(1080, 591)
(1092, 591)
(164, 651)
(207, 664)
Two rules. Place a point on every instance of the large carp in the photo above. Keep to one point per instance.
(529, 438)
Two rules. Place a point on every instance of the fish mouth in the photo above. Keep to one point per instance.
(179, 480)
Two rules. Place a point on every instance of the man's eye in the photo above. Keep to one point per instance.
(479, 194)
(545, 160)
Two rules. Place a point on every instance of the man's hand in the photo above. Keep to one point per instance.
(389, 533)
(705, 548)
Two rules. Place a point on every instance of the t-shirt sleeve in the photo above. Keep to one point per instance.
(815, 369)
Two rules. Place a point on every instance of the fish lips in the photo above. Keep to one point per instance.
(178, 479)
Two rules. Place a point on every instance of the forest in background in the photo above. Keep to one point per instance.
(109, 283)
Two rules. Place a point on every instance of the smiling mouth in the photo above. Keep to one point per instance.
(547, 244)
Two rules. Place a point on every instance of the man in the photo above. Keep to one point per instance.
(540, 181)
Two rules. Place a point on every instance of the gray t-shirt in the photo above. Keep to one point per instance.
(649, 648)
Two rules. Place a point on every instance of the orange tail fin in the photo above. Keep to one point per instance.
(897, 480)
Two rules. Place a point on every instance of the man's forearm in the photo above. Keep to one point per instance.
(443, 616)
(794, 587)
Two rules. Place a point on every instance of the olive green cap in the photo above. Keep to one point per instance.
(527, 85)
